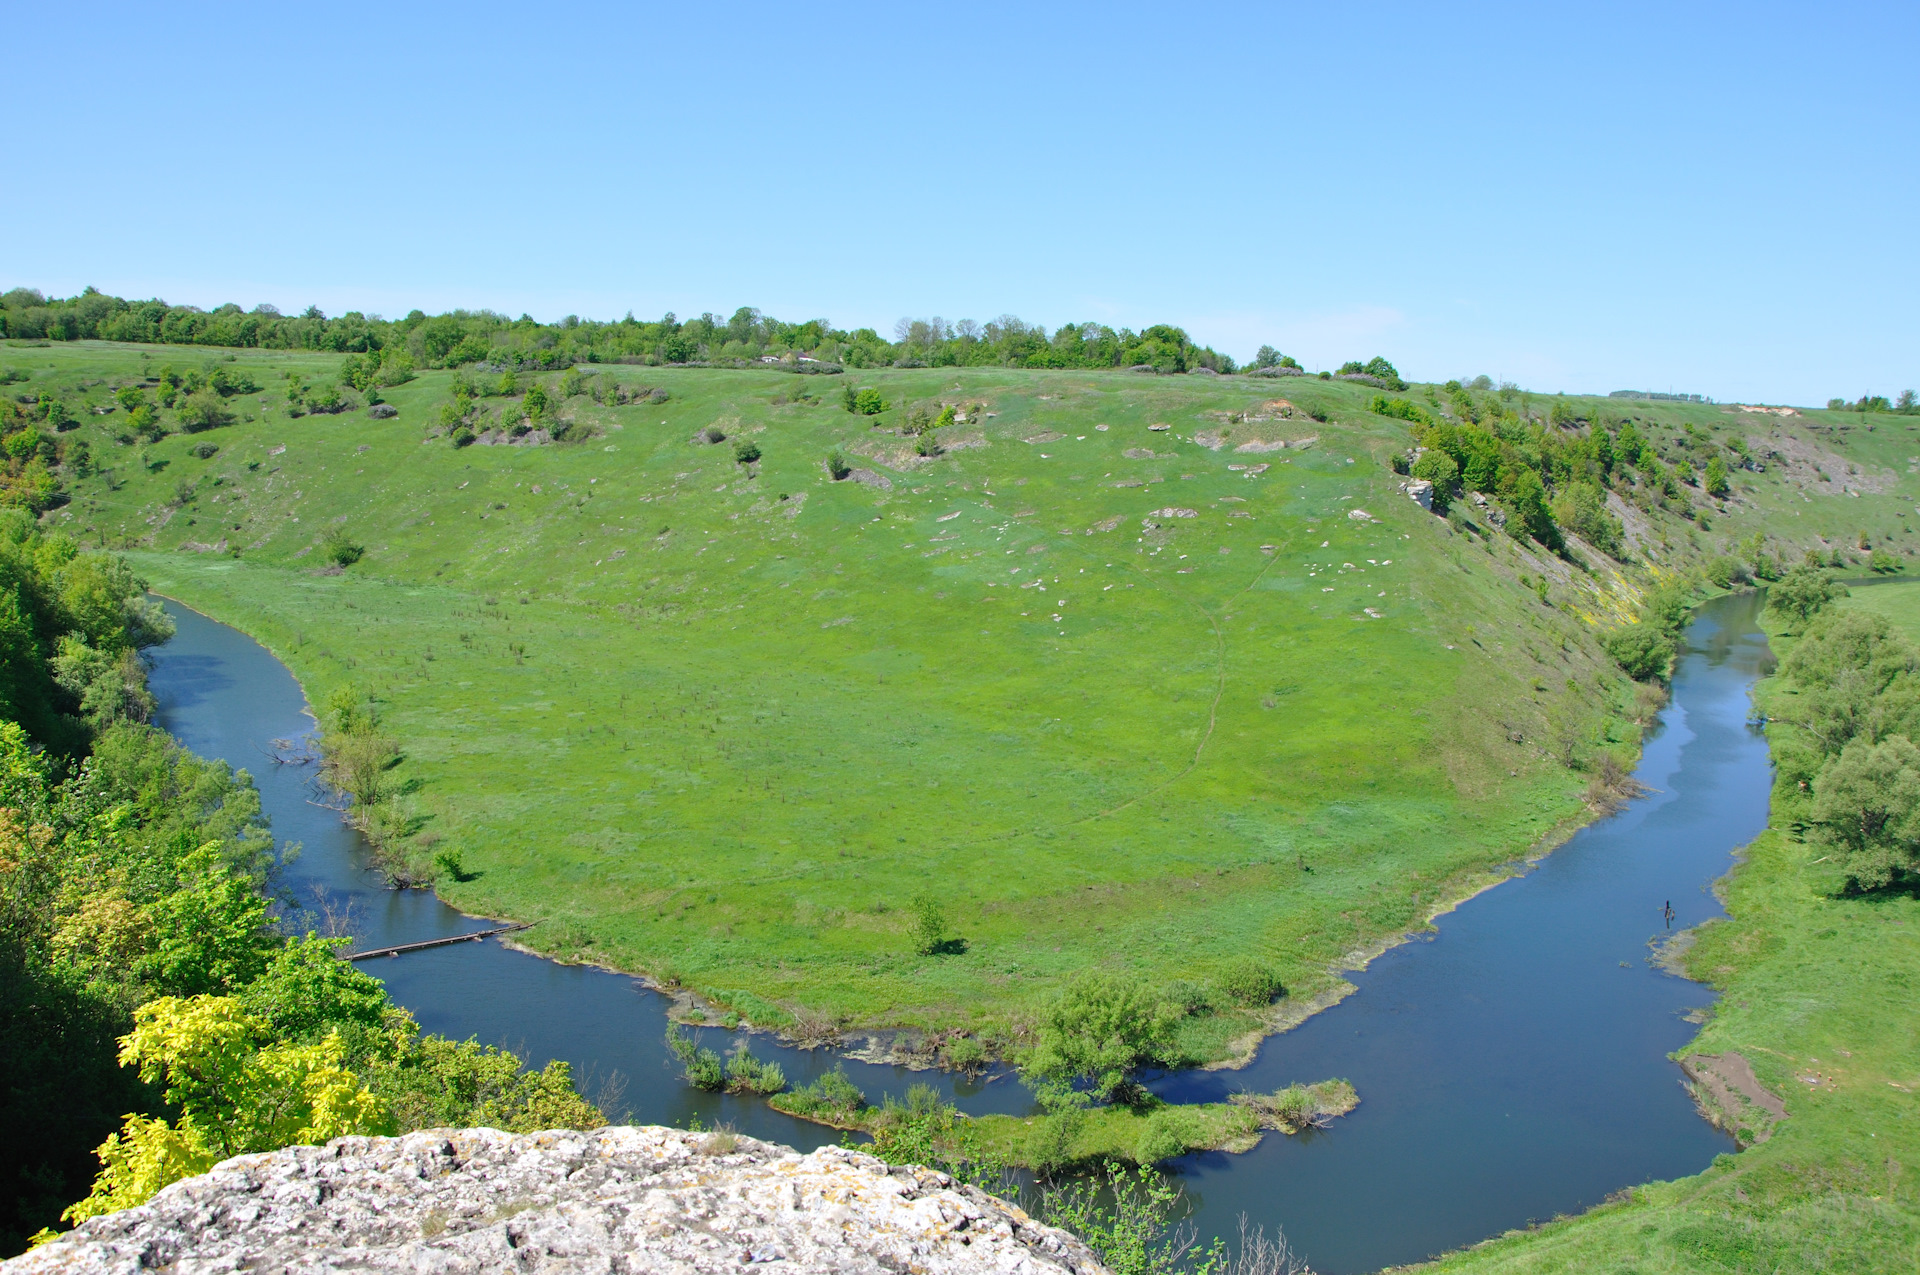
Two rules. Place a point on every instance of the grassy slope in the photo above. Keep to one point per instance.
(1818, 994)
(723, 737)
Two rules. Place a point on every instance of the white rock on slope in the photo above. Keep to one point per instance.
(619, 1201)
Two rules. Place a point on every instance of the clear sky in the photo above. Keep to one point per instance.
(1717, 199)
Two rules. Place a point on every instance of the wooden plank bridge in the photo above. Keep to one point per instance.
(400, 948)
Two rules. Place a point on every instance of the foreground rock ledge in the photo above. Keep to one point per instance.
(622, 1200)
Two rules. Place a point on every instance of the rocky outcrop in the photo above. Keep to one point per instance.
(617, 1200)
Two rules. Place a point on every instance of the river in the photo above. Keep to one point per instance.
(1511, 1066)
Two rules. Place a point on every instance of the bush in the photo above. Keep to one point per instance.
(1050, 1146)
(1166, 1134)
(340, 548)
(700, 1066)
(868, 402)
(829, 1095)
(1726, 572)
(747, 1074)
(714, 434)
(145, 422)
(328, 402)
(1399, 409)
(1643, 650)
(745, 452)
(1251, 983)
(1582, 508)
(205, 451)
(929, 925)
(203, 411)
(966, 1053)
(837, 466)
(1885, 563)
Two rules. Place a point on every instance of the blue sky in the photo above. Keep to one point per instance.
(1709, 198)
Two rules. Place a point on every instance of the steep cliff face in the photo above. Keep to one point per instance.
(617, 1200)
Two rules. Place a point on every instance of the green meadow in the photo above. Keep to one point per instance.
(1109, 694)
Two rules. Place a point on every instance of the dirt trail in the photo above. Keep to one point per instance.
(1731, 1096)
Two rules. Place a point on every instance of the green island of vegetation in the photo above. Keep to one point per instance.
(949, 685)
(1139, 1134)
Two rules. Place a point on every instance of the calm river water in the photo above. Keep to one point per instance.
(1511, 1067)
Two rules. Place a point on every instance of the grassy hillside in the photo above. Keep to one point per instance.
(1105, 692)
(1817, 995)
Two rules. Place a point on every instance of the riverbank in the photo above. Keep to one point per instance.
(1505, 1008)
(1817, 1006)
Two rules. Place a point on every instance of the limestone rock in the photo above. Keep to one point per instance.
(619, 1201)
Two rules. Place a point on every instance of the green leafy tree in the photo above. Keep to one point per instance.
(746, 451)
(1855, 677)
(869, 403)
(214, 934)
(1525, 497)
(1803, 593)
(1716, 480)
(1867, 803)
(1097, 1033)
(929, 924)
(1439, 469)
(233, 1096)
(537, 403)
(307, 991)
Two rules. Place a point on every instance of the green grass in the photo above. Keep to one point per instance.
(1818, 993)
(1110, 1134)
(722, 727)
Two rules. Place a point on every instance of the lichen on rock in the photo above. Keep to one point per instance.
(622, 1200)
